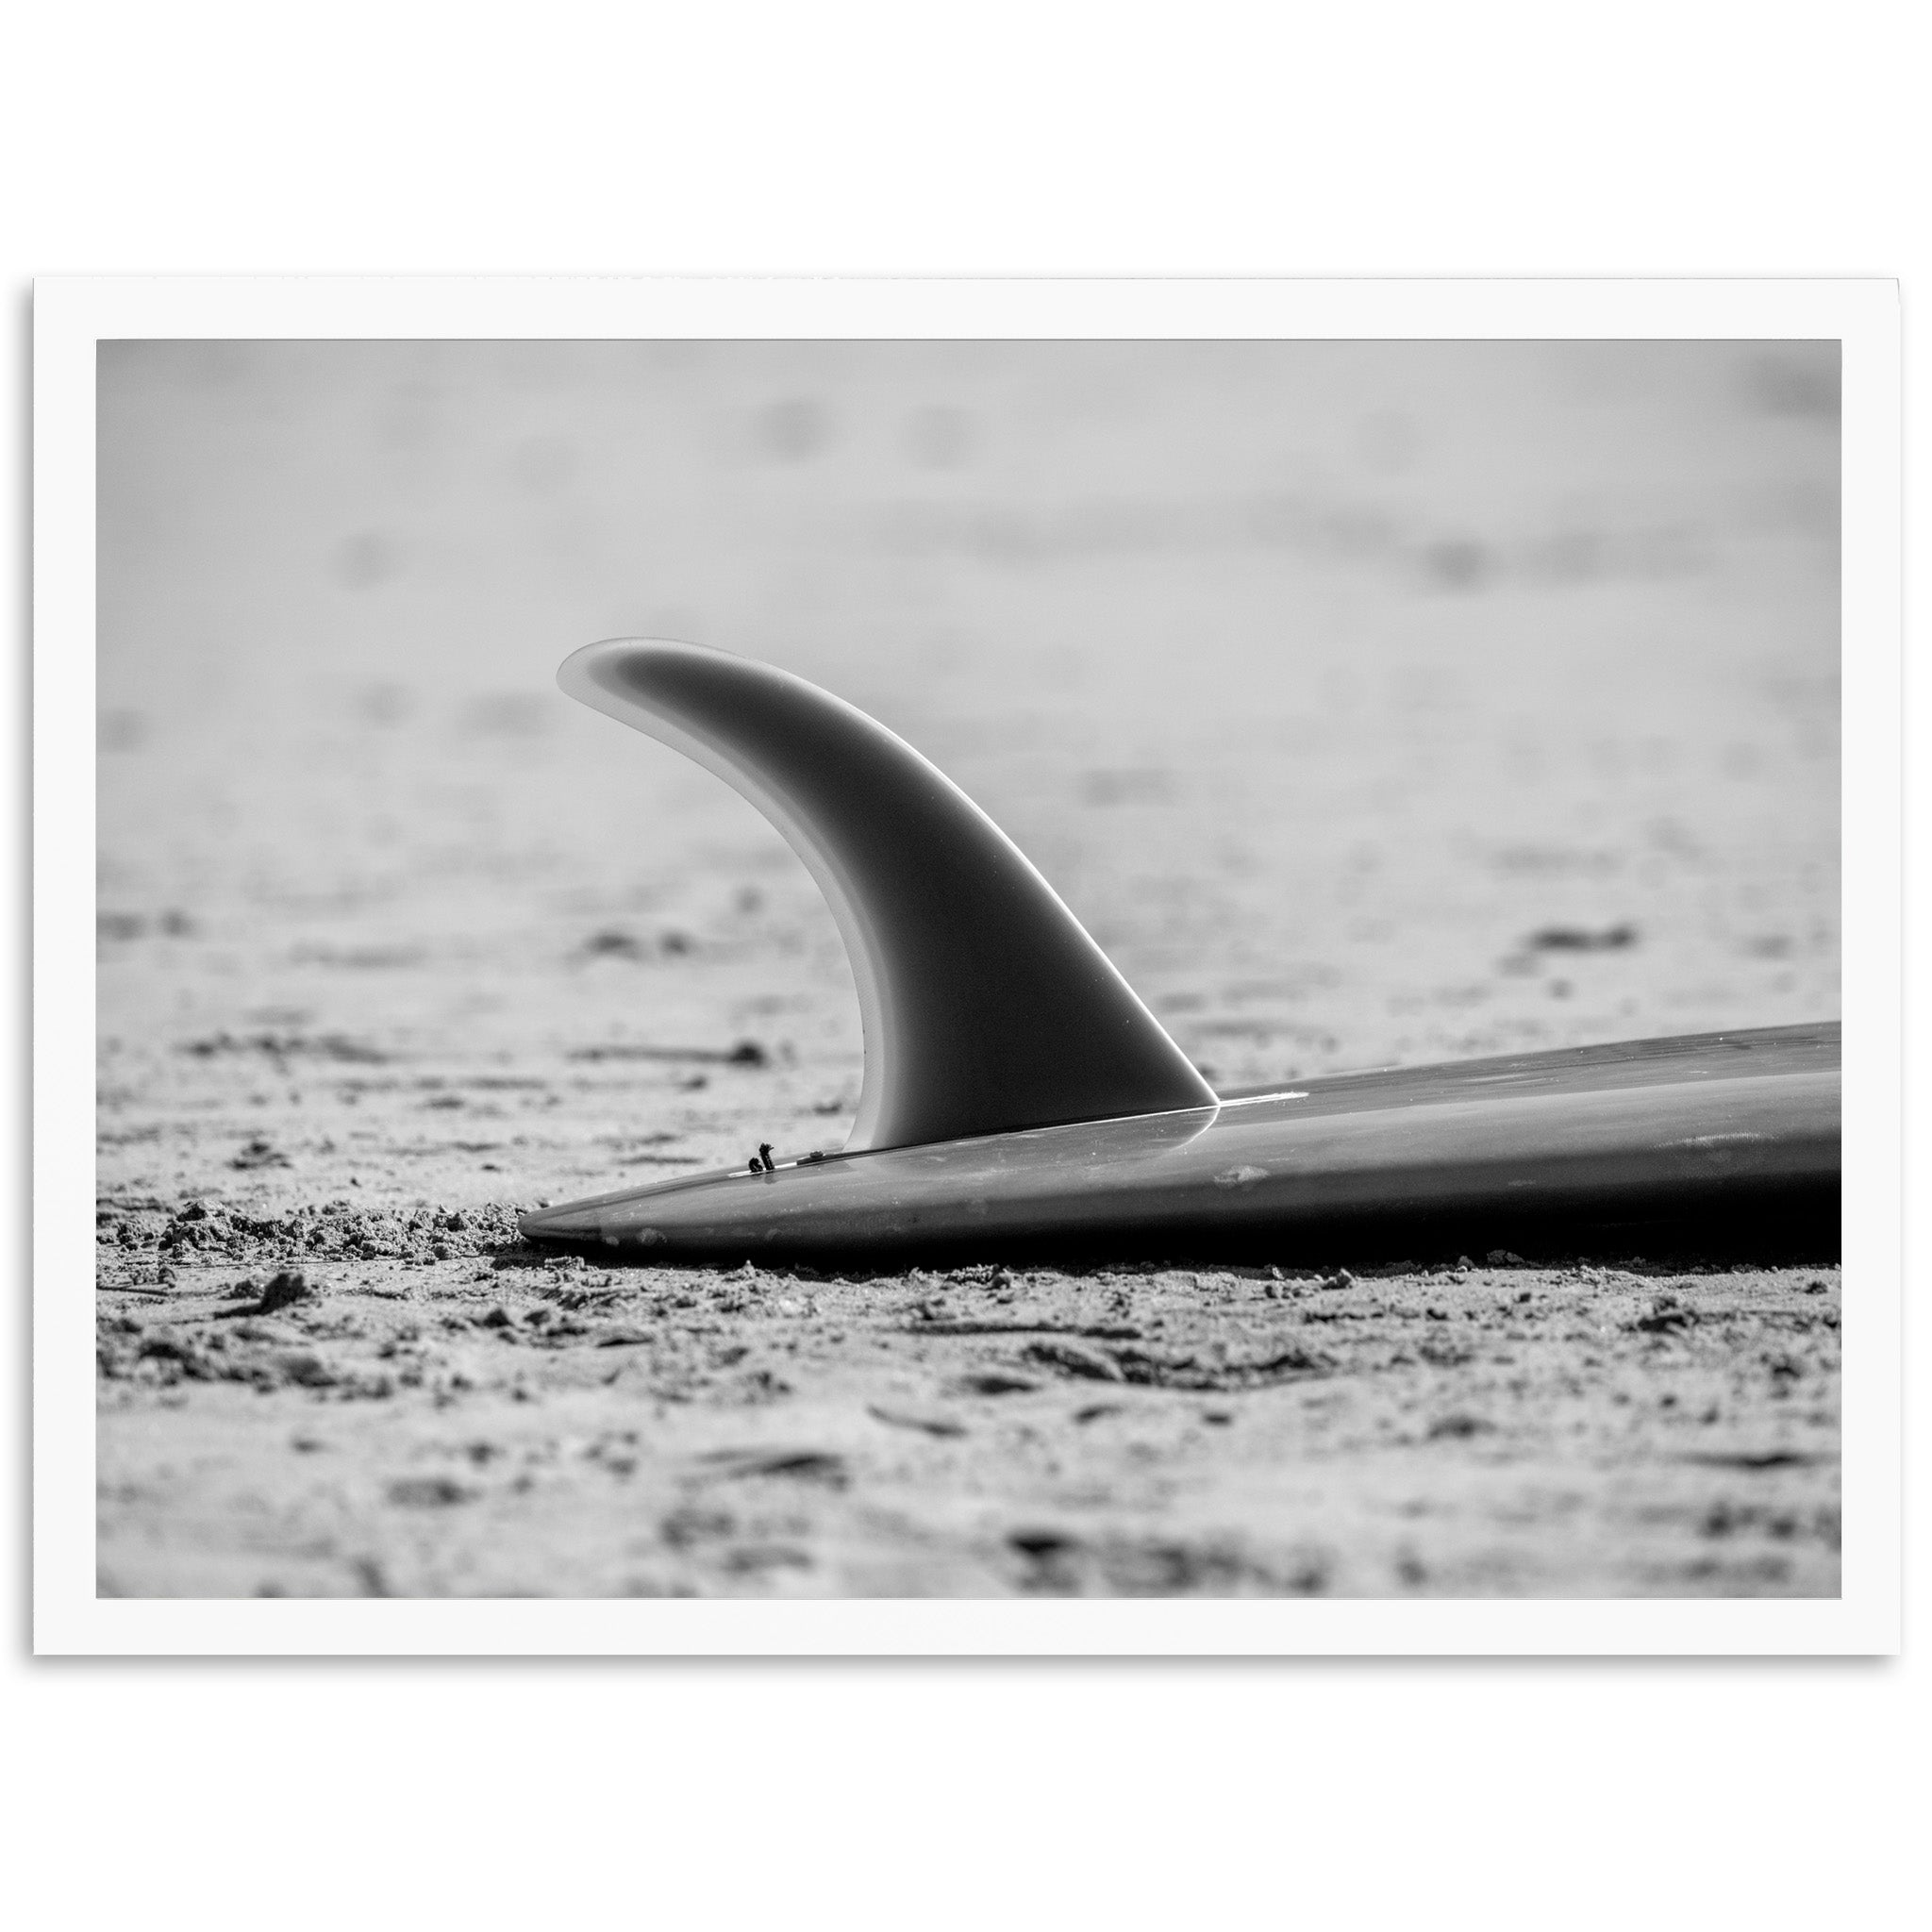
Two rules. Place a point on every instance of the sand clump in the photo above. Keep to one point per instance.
(332, 1230)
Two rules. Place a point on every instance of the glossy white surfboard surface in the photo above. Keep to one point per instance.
(1018, 1095)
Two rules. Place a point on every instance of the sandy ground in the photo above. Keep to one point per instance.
(1490, 704)
(515, 1429)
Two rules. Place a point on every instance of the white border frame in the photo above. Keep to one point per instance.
(72, 314)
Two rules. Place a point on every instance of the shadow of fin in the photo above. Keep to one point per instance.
(986, 1006)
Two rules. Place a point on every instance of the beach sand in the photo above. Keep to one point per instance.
(1370, 708)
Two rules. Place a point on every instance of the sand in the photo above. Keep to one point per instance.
(1355, 753)
(518, 1428)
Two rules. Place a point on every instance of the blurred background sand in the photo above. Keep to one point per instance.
(1370, 702)
(1317, 676)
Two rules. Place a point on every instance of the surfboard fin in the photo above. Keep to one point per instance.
(986, 1006)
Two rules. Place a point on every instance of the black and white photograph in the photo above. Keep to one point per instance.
(965, 966)
(969, 969)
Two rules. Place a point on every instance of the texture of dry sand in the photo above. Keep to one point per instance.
(1368, 709)
(518, 1428)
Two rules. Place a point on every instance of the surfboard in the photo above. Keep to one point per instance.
(1019, 1097)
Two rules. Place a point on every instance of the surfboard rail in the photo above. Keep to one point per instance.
(1719, 1143)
